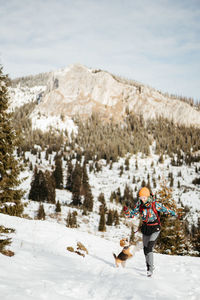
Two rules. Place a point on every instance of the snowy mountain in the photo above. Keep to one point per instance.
(83, 91)
(42, 267)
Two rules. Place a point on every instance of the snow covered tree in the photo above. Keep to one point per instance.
(10, 195)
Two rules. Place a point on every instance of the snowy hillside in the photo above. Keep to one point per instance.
(42, 268)
(109, 180)
(22, 95)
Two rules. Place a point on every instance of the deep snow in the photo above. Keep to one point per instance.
(42, 268)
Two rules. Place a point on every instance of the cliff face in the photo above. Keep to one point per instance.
(79, 90)
(83, 91)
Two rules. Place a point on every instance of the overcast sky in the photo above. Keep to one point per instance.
(156, 42)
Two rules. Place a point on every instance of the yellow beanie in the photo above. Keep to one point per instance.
(144, 192)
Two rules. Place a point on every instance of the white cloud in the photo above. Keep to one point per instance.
(156, 42)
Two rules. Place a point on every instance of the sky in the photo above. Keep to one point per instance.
(155, 42)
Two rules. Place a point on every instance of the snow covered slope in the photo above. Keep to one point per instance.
(43, 269)
(108, 180)
(22, 95)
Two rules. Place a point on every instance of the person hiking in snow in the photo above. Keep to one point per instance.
(149, 210)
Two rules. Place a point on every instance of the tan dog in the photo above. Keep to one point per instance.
(124, 254)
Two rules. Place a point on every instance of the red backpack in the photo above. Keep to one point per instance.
(153, 206)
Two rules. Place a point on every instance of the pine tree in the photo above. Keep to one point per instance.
(116, 218)
(85, 179)
(109, 221)
(74, 219)
(58, 207)
(41, 213)
(58, 173)
(76, 179)
(127, 164)
(161, 159)
(88, 201)
(196, 239)
(86, 190)
(10, 195)
(172, 239)
(143, 183)
(42, 187)
(31, 166)
(69, 184)
(5, 241)
(118, 196)
(112, 197)
(47, 155)
(121, 170)
(128, 196)
(102, 221)
(76, 198)
(102, 200)
(71, 220)
(51, 187)
(181, 243)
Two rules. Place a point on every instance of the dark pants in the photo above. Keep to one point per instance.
(149, 242)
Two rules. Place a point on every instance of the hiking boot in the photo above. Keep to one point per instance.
(149, 274)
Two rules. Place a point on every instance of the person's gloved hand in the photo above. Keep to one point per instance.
(125, 208)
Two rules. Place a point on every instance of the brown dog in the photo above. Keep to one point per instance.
(124, 254)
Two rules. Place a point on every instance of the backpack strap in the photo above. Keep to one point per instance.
(141, 208)
(155, 211)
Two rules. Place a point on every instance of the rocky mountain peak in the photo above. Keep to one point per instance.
(83, 91)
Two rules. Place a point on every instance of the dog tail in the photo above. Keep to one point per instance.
(114, 255)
